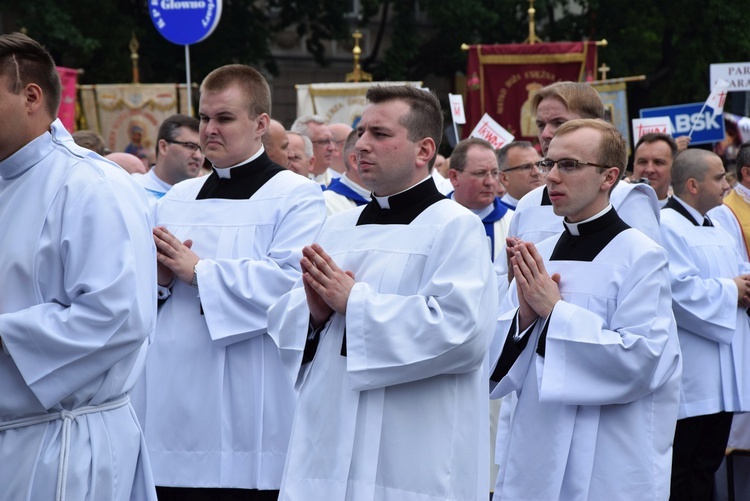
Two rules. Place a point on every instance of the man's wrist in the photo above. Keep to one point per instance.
(194, 280)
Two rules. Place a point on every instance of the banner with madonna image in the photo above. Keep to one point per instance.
(502, 80)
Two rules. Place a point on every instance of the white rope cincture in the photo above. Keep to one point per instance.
(68, 417)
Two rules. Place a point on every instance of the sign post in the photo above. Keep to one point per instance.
(185, 22)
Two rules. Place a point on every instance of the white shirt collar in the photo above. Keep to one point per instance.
(359, 190)
(694, 213)
(383, 201)
(573, 227)
(482, 213)
(226, 172)
(509, 200)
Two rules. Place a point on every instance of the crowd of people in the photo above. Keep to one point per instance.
(338, 313)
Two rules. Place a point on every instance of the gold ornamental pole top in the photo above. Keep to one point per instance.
(357, 75)
(532, 26)
(133, 46)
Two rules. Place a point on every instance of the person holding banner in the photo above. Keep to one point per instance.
(78, 304)
(218, 405)
(652, 160)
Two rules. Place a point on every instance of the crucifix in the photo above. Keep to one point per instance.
(604, 69)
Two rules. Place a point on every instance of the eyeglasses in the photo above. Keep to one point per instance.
(481, 174)
(324, 142)
(185, 144)
(523, 168)
(565, 165)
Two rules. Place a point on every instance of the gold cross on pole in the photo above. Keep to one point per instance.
(604, 69)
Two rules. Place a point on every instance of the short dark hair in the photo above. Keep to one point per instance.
(691, 163)
(425, 118)
(253, 85)
(743, 159)
(170, 127)
(653, 137)
(578, 97)
(24, 61)
(502, 153)
(349, 144)
(461, 151)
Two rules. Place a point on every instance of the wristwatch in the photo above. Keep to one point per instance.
(194, 281)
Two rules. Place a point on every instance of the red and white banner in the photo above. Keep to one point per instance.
(492, 132)
(67, 111)
(457, 108)
(718, 97)
(502, 79)
(643, 126)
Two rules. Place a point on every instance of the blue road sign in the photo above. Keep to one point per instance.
(708, 128)
(185, 22)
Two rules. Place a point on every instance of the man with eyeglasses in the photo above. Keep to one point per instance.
(340, 133)
(534, 219)
(348, 191)
(178, 156)
(299, 153)
(324, 146)
(474, 176)
(519, 173)
(587, 340)
(218, 405)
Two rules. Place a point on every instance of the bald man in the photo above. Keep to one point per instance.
(131, 163)
(340, 133)
(276, 143)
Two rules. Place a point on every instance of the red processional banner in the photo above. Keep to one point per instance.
(502, 79)
(67, 111)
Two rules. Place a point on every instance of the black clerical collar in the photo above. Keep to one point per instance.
(586, 226)
(594, 235)
(403, 207)
(678, 205)
(245, 180)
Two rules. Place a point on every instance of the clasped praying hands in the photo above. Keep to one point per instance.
(327, 287)
(537, 291)
(174, 257)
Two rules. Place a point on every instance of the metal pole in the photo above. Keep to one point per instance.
(187, 78)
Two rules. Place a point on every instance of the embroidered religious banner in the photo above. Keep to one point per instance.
(615, 99)
(337, 102)
(67, 111)
(128, 116)
(502, 79)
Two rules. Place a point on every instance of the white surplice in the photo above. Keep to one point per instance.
(219, 407)
(403, 415)
(596, 415)
(636, 204)
(78, 304)
(714, 331)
